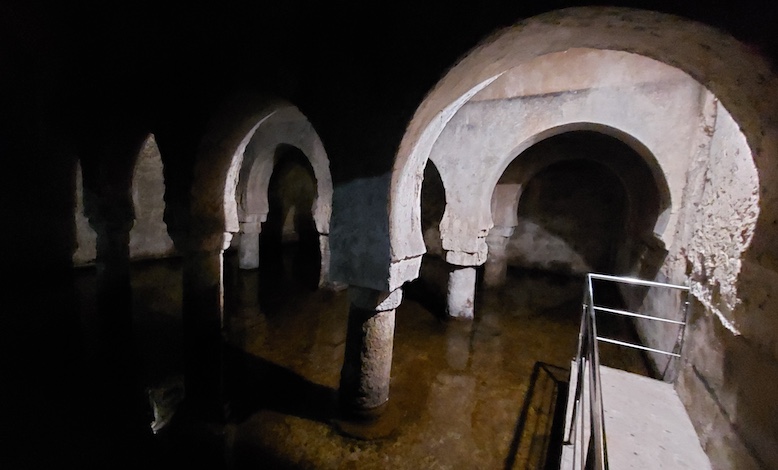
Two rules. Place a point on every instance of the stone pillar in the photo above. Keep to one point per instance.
(367, 363)
(324, 249)
(505, 203)
(248, 248)
(203, 323)
(496, 266)
(461, 292)
(108, 207)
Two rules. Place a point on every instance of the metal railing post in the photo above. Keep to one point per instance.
(594, 455)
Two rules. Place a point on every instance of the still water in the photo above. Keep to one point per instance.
(464, 395)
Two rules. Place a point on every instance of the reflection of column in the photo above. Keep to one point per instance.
(367, 363)
(461, 292)
(496, 266)
(247, 293)
(109, 209)
(248, 249)
(203, 306)
(458, 344)
(450, 406)
(114, 293)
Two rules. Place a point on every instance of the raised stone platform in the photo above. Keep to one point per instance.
(646, 425)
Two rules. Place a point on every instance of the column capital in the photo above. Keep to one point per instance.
(468, 259)
(252, 223)
(209, 242)
(371, 299)
(503, 231)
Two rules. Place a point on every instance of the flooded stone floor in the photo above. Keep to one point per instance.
(464, 395)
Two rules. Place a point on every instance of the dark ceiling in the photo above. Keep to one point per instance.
(354, 68)
(348, 48)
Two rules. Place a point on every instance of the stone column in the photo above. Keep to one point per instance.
(461, 292)
(109, 209)
(367, 364)
(324, 249)
(505, 202)
(248, 249)
(496, 266)
(203, 323)
(118, 390)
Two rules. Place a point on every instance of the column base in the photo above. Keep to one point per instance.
(377, 423)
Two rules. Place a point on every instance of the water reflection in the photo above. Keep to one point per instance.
(458, 389)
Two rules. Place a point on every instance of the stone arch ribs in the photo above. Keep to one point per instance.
(715, 139)
(629, 160)
(733, 75)
(509, 115)
(230, 184)
(285, 126)
(215, 218)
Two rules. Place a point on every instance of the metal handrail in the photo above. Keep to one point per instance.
(588, 360)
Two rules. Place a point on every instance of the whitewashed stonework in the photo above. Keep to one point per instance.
(700, 108)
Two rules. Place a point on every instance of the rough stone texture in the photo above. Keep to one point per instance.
(485, 136)
(285, 127)
(461, 292)
(148, 237)
(86, 238)
(367, 362)
(645, 33)
(722, 239)
(725, 354)
(220, 163)
(725, 210)
(363, 199)
(571, 217)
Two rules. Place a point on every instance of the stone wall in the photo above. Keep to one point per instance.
(148, 237)
(720, 237)
(729, 360)
(571, 217)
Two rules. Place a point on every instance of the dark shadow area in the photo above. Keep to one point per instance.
(430, 288)
(289, 253)
(580, 207)
(539, 432)
(276, 287)
(257, 384)
(252, 384)
(531, 292)
(157, 329)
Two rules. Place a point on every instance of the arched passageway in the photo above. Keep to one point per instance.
(289, 249)
(247, 139)
(586, 202)
(701, 103)
(701, 107)
(291, 227)
(431, 285)
(571, 219)
(148, 235)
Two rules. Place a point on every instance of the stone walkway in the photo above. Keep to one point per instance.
(646, 425)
